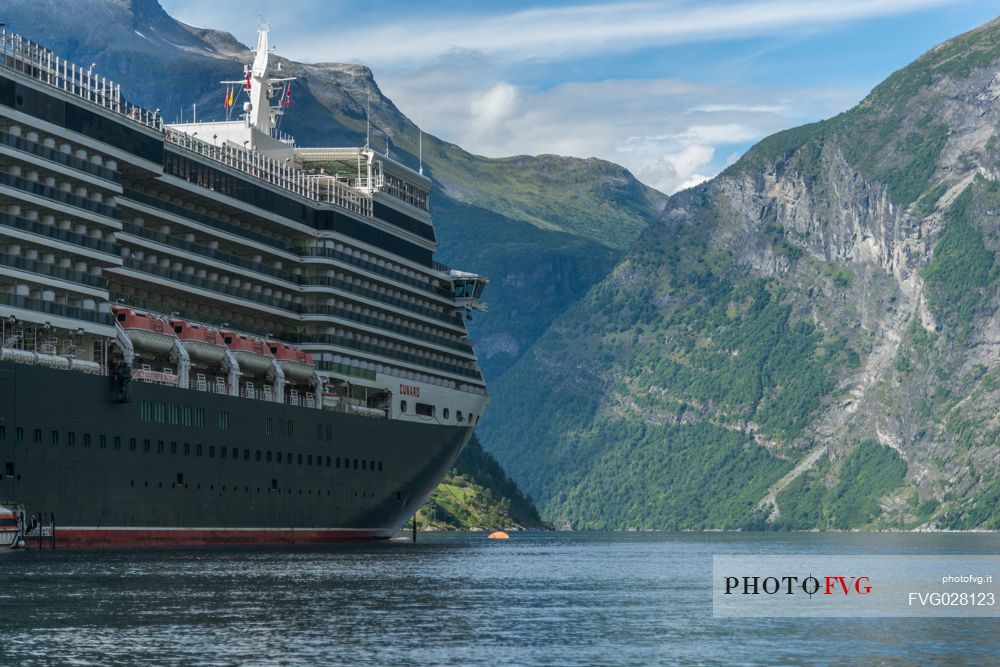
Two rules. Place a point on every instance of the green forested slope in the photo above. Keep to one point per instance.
(810, 340)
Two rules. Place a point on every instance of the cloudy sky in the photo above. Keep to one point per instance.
(674, 90)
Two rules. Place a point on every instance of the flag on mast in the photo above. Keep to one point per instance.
(248, 81)
(288, 95)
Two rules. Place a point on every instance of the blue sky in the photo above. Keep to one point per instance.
(673, 90)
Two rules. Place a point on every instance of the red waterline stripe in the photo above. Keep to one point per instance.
(149, 537)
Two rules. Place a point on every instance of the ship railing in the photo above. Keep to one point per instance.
(156, 377)
(41, 64)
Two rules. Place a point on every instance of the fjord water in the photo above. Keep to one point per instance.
(537, 599)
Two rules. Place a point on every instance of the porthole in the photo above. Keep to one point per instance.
(447, 413)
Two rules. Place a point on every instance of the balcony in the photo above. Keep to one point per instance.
(65, 159)
(56, 233)
(57, 309)
(60, 196)
(52, 271)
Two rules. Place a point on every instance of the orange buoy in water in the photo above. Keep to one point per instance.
(498, 535)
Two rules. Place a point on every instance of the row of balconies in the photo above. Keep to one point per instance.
(235, 287)
(59, 150)
(326, 248)
(375, 291)
(55, 187)
(46, 299)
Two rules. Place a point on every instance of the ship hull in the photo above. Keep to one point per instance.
(183, 467)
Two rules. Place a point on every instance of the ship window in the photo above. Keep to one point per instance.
(38, 435)
(278, 457)
(159, 446)
(70, 438)
(18, 434)
(118, 442)
(337, 462)
(446, 413)
(269, 426)
(258, 456)
(222, 452)
(364, 464)
(173, 447)
(131, 444)
(371, 466)
(198, 450)
(288, 458)
(3, 432)
(319, 461)
(300, 459)
(355, 464)
(86, 439)
(380, 466)
(274, 484)
(281, 427)
(458, 416)
(175, 413)
(402, 406)
(290, 427)
(187, 449)
(425, 410)
(199, 417)
(102, 441)
(328, 462)
(329, 433)
(269, 456)
(145, 445)
(211, 451)
(319, 431)
(246, 454)
(309, 459)
(223, 420)
(55, 437)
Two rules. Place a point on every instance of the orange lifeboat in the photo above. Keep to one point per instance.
(297, 365)
(250, 351)
(203, 343)
(147, 331)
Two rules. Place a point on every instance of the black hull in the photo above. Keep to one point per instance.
(152, 471)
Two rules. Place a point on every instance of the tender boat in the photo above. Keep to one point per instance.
(296, 364)
(251, 352)
(202, 343)
(147, 332)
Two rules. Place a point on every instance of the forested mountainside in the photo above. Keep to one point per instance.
(809, 340)
(545, 229)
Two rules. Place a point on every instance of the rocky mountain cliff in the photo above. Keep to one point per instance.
(810, 339)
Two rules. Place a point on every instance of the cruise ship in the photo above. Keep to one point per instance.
(209, 334)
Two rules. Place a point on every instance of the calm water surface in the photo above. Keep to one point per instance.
(538, 599)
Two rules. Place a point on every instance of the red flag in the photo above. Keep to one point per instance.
(248, 80)
(288, 95)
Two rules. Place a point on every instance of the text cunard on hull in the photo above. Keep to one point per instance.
(210, 334)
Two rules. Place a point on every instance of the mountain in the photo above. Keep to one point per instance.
(478, 495)
(544, 228)
(809, 340)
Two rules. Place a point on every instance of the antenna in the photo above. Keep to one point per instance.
(420, 151)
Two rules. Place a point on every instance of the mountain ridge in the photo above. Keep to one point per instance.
(825, 308)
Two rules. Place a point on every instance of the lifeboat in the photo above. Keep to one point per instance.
(146, 331)
(202, 343)
(250, 351)
(297, 365)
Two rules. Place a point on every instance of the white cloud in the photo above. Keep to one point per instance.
(489, 111)
(670, 133)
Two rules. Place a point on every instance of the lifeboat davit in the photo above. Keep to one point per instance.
(297, 365)
(146, 331)
(202, 343)
(250, 351)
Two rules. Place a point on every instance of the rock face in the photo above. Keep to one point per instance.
(811, 337)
